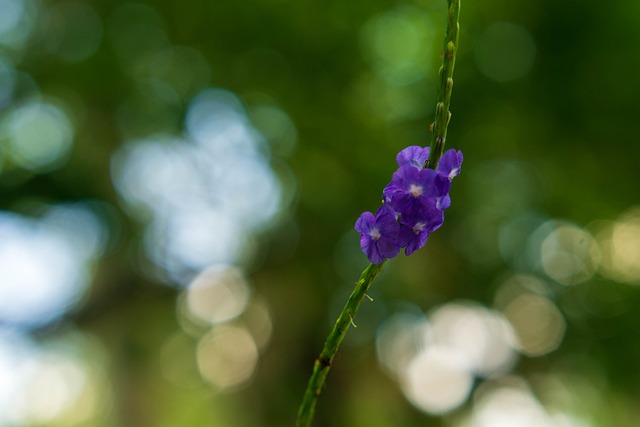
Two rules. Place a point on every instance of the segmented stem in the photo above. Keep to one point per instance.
(323, 362)
(443, 115)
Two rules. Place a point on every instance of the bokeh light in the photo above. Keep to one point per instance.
(399, 339)
(231, 326)
(45, 263)
(59, 382)
(16, 22)
(218, 294)
(37, 135)
(509, 403)
(620, 243)
(481, 337)
(436, 358)
(227, 356)
(538, 323)
(436, 380)
(258, 321)
(204, 197)
(569, 254)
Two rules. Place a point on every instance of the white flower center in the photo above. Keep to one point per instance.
(418, 227)
(415, 190)
(374, 233)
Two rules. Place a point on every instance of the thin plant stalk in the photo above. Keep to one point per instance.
(445, 87)
(323, 363)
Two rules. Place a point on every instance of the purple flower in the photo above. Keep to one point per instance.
(415, 229)
(413, 205)
(411, 190)
(450, 164)
(413, 237)
(378, 234)
(413, 156)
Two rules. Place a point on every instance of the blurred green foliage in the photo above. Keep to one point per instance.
(544, 108)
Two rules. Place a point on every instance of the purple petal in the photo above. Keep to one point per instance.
(403, 202)
(388, 192)
(365, 222)
(435, 221)
(444, 202)
(404, 174)
(450, 164)
(416, 243)
(404, 236)
(387, 222)
(441, 186)
(388, 247)
(384, 211)
(413, 156)
(427, 215)
(427, 180)
(365, 242)
(373, 252)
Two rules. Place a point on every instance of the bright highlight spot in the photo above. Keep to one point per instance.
(480, 337)
(569, 254)
(436, 360)
(38, 135)
(231, 327)
(204, 197)
(218, 294)
(44, 263)
(52, 383)
(227, 356)
(620, 243)
(509, 405)
(257, 319)
(538, 324)
(400, 339)
(436, 381)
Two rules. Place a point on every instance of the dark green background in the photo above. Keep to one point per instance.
(556, 142)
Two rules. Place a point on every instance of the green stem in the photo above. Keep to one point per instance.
(443, 115)
(323, 362)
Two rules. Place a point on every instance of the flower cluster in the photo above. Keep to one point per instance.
(413, 205)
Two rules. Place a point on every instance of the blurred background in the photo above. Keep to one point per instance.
(179, 183)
